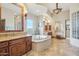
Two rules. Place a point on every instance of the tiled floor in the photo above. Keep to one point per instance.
(59, 47)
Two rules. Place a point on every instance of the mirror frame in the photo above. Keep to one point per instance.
(22, 16)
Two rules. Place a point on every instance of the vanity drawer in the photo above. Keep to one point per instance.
(16, 41)
(3, 44)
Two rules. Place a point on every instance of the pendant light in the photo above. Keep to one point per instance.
(57, 10)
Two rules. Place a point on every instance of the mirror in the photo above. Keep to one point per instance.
(11, 17)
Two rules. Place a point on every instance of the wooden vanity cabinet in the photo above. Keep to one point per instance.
(16, 47)
(4, 49)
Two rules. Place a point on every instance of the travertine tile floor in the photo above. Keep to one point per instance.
(59, 47)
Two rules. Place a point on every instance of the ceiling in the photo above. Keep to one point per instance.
(36, 9)
(40, 8)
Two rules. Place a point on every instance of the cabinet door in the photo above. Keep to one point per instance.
(4, 51)
(13, 50)
(17, 49)
(21, 48)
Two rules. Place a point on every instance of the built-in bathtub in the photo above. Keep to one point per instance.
(41, 42)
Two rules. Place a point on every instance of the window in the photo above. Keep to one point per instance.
(29, 23)
(29, 26)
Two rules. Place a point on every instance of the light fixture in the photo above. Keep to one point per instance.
(57, 10)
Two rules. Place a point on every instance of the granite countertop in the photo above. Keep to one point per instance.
(6, 38)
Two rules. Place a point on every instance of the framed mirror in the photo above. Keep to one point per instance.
(11, 17)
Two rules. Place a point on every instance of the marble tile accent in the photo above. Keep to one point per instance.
(59, 47)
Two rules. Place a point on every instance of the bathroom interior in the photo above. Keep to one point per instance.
(31, 29)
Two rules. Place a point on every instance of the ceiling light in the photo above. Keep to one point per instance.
(57, 10)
